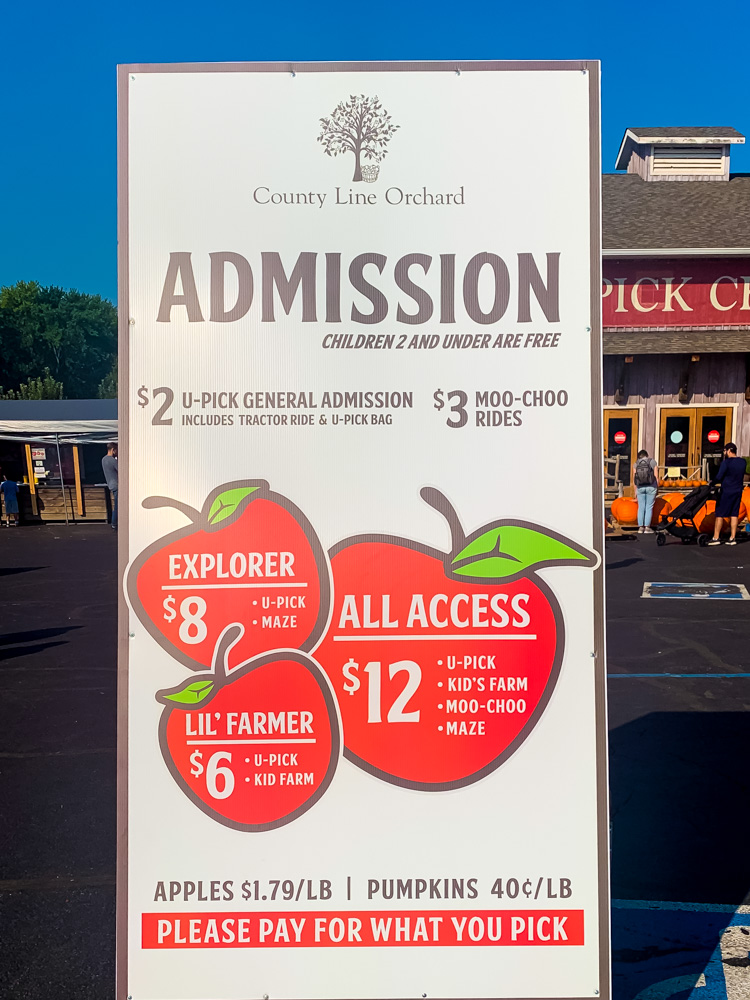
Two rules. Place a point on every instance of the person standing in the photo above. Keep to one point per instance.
(9, 489)
(731, 475)
(109, 468)
(644, 480)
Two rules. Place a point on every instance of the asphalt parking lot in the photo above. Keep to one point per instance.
(679, 695)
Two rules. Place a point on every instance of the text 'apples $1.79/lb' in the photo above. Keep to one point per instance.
(249, 556)
(443, 663)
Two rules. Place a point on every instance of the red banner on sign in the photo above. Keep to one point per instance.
(363, 929)
(676, 293)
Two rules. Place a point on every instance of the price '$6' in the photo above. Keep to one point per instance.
(457, 399)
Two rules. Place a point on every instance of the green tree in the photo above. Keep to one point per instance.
(108, 385)
(36, 388)
(72, 334)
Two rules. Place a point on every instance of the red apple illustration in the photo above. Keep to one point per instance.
(254, 748)
(443, 663)
(249, 556)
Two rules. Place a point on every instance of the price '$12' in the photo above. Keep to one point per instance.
(374, 670)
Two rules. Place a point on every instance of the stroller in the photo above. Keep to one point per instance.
(680, 522)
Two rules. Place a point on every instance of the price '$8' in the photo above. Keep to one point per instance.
(192, 609)
(457, 399)
(374, 670)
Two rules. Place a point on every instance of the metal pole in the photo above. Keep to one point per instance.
(62, 483)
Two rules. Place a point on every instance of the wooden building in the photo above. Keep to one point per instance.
(676, 300)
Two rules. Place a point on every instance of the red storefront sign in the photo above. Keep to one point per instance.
(620, 437)
(676, 292)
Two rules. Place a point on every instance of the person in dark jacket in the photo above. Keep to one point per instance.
(731, 475)
(109, 468)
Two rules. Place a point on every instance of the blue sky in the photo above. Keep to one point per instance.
(685, 65)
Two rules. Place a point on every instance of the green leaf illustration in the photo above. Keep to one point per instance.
(191, 693)
(512, 549)
(226, 503)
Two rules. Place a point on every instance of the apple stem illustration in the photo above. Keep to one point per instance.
(228, 638)
(151, 503)
(443, 506)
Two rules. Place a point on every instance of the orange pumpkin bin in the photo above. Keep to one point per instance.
(705, 519)
(625, 510)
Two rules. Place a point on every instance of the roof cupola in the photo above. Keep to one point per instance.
(678, 153)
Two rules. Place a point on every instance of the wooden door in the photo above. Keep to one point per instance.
(688, 435)
(677, 441)
(621, 438)
(713, 431)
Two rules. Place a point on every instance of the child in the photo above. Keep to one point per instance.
(9, 490)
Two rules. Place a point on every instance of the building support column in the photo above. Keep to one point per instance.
(77, 471)
(32, 482)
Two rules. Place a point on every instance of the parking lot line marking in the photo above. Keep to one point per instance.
(696, 591)
(677, 675)
(657, 904)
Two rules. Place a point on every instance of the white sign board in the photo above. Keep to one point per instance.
(363, 731)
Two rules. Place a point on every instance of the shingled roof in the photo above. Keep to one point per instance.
(719, 132)
(638, 215)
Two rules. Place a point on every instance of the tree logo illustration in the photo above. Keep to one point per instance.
(361, 126)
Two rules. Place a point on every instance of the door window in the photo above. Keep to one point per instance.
(619, 438)
(677, 443)
(713, 438)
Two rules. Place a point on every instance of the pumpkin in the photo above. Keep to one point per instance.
(625, 510)
(705, 519)
(661, 509)
(673, 499)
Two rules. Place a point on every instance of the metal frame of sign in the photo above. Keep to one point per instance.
(584, 66)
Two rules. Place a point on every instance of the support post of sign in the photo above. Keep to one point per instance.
(62, 483)
(32, 481)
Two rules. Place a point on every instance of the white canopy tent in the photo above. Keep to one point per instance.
(59, 421)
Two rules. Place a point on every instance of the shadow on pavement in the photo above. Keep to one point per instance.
(623, 563)
(13, 570)
(680, 795)
(10, 654)
(15, 638)
(680, 806)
